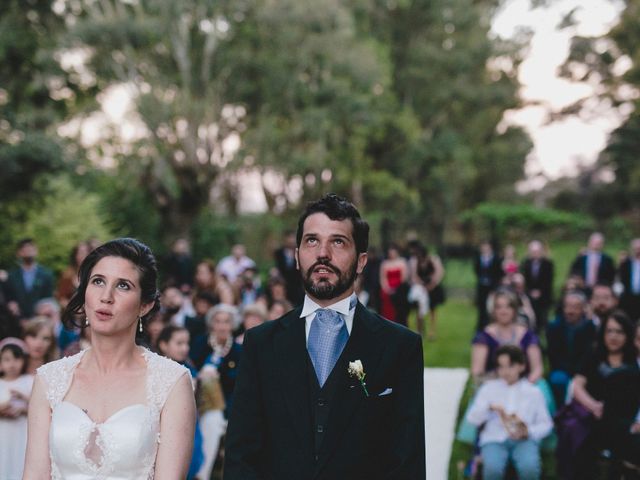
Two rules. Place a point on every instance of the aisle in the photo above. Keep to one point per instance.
(443, 388)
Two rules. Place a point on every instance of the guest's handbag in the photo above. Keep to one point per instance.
(573, 424)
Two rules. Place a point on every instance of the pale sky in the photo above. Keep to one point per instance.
(559, 146)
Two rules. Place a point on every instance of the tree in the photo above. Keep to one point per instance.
(318, 102)
(612, 63)
(33, 97)
(459, 82)
(165, 53)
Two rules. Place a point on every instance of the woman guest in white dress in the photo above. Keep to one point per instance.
(15, 388)
(114, 411)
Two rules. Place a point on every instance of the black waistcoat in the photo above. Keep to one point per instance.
(319, 404)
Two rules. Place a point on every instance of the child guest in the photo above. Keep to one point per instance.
(515, 419)
(15, 390)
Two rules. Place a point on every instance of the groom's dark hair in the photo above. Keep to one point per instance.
(338, 208)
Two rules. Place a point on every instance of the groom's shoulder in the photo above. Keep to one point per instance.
(389, 329)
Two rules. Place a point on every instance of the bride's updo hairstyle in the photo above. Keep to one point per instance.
(129, 249)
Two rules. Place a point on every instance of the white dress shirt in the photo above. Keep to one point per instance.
(522, 399)
(310, 307)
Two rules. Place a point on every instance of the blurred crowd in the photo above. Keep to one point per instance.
(579, 352)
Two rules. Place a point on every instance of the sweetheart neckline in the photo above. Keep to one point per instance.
(114, 414)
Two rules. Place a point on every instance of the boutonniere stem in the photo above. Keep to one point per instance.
(357, 370)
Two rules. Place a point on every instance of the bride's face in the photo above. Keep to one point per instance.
(113, 297)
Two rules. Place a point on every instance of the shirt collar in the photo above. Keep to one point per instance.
(344, 306)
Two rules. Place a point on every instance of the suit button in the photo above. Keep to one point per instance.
(317, 456)
(321, 402)
(320, 429)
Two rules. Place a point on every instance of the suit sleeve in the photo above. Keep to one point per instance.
(479, 410)
(47, 288)
(245, 435)
(576, 266)
(408, 434)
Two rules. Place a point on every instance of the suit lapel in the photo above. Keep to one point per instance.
(291, 351)
(363, 345)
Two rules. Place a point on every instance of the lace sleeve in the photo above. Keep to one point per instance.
(57, 377)
(163, 375)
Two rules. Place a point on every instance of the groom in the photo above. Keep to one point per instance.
(301, 411)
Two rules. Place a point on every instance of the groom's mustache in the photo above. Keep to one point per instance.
(326, 264)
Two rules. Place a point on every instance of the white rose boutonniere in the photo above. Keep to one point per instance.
(357, 370)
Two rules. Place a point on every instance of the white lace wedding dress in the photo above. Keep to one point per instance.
(124, 446)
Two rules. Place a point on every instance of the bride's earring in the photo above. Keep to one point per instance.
(140, 324)
(86, 321)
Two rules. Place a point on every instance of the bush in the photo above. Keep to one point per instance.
(517, 222)
(66, 216)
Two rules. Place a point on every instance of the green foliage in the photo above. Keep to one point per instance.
(126, 205)
(507, 221)
(23, 162)
(64, 215)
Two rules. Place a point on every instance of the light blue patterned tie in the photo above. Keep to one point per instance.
(327, 337)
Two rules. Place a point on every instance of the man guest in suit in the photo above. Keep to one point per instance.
(285, 260)
(29, 282)
(594, 266)
(489, 273)
(538, 277)
(302, 411)
(629, 275)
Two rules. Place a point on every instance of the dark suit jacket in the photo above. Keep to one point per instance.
(624, 273)
(543, 281)
(291, 276)
(629, 301)
(271, 435)
(565, 355)
(16, 291)
(493, 271)
(606, 269)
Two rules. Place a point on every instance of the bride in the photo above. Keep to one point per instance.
(116, 410)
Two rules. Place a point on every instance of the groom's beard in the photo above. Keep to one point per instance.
(324, 289)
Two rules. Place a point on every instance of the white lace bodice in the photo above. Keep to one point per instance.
(124, 446)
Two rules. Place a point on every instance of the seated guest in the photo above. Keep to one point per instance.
(514, 416)
(221, 364)
(41, 343)
(154, 326)
(49, 308)
(608, 388)
(173, 343)
(207, 280)
(603, 301)
(197, 325)
(504, 329)
(570, 338)
(249, 288)
(278, 308)
(252, 316)
(177, 305)
(526, 312)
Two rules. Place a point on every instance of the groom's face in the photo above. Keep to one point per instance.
(327, 258)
